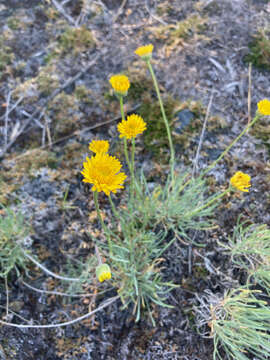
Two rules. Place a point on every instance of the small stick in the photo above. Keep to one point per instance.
(120, 10)
(6, 116)
(63, 12)
(76, 133)
(6, 286)
(13, 107)
(48, 130)
(202, 135)
(155, 17)
(249, 92)
(106, 303)
(40, 111)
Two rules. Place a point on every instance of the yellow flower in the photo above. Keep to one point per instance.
(264, 107)
(103, 272)
(241, 181)
(131, 127)
(99, 146)
(102, 170)
(145, 52)
(120, 84)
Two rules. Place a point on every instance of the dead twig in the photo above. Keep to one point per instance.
(13, 107)
(42, 110)
(155, 17)
(195, 165)
(249, 92)
(6, 117)
(120, 10)
(47, 121)
(76, 133)
(62, 11)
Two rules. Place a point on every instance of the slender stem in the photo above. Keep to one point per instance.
(115, 212)
(59, 292)
(98, 211)
(104, 305)
(209, 202)
(125, 140)
(132, 169)
(106, 231)
(231, 145)
(122, 107)
(210, 167)
(126, 155)
(48, 271)
(164, 116)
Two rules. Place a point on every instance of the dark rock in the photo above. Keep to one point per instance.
(39, 189)
(184, 119)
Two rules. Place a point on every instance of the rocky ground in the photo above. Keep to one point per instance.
(55, 62)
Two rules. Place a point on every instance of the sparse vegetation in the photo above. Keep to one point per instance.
(166, 239)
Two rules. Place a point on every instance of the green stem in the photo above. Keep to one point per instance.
(125, 140)
(210, 167)
(209, 202)
(115, 212)
(126, 156)
(106, 231)
(132, 169)
(164, 116)
(122, 108)
(231, 145)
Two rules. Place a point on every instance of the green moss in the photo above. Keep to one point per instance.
(188, 27)
(76, 40)
(6, 55)
(259, 54)
(49, 57)
(12, 178)
(47, 80)
(14, 23)
(155, 137)
(83, 94)
(138, 87)
(173, 34)
(261, 130)
(65, 111)
(200, 272)
(164, 9)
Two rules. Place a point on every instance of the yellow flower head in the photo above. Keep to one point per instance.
(131, 127)
(99, 146)
(102, 170)
(103, 272)
(264, 107)
(145, 52)
(241, 181)
(120, 84)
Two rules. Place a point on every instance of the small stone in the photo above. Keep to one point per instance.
(184, 119)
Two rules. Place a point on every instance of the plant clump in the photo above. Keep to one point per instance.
(76, 40)
(12, 233)
(259, 50)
